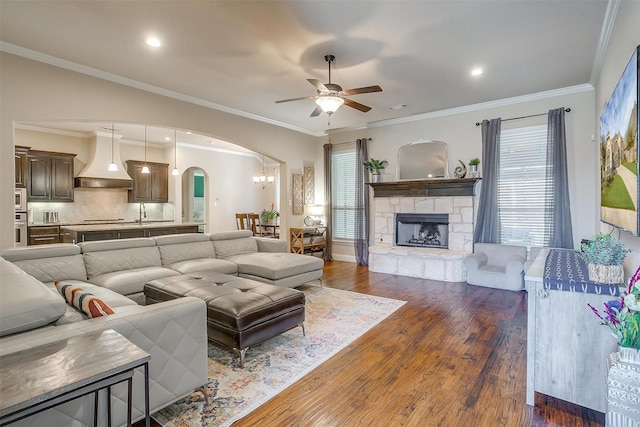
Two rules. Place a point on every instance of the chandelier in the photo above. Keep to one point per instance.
(263, 179)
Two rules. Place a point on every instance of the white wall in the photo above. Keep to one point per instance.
(32, 91)
(624, 39)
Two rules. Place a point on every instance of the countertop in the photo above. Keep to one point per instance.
(124, 225)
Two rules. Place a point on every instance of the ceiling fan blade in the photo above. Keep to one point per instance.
(366, 89)
(295, 99)
(316, 112)
(318, 84)
(356, 105)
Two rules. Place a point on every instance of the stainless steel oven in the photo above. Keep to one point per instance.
(21, 199)
(21, 229)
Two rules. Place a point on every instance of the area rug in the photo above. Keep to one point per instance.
(334, 319)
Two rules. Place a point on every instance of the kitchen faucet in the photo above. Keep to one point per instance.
(142, 211)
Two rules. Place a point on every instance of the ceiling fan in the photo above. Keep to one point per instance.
(330, 96)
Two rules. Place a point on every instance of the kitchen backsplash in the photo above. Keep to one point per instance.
(99, 204)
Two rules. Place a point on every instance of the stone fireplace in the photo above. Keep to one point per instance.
(452, 199)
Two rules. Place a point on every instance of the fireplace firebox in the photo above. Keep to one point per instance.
(422, 230)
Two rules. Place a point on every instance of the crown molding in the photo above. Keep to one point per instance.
(94, 72)
(603, 42)
(586, 87)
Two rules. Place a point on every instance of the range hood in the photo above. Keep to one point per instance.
(96, 173)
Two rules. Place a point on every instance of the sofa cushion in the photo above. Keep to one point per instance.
(105, 262)
(205, 264)
(275, 266)
(48, 263)
(25, 302)
(171, 254)
(234, 243)
(131, 281)
(82, 300)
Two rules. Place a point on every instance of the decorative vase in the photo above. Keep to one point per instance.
(607, 274)
(376, 177)
(623, 388)
(473, 171)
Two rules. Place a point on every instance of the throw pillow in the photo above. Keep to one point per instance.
(83, 300)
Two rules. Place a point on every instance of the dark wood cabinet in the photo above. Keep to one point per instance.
(21, 167)
(69, 235)
(152, 187)
(49, 177)
(43, 235)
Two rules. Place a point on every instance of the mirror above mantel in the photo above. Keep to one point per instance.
(422, 159)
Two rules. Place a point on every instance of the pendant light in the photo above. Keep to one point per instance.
(112, 166)
(263, 179)
(145, 168)
(175, 171)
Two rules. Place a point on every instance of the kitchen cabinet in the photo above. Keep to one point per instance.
(43, 235)
(49, 177)
(21, 166)
(307, 241)
(152, 187)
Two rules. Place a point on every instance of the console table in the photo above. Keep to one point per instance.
(45, 376)
(567, 349)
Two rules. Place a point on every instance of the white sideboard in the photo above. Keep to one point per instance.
(567, 348)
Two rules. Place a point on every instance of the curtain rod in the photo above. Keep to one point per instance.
(526, 117)
(347, 142)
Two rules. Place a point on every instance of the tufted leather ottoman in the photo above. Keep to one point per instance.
(240, 312)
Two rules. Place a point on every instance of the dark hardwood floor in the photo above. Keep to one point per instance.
(453, 355)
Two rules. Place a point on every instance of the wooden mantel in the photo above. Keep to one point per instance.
(425, 188)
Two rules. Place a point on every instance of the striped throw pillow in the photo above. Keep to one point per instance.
(83, 300)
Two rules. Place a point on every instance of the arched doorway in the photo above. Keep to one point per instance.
(194, 196)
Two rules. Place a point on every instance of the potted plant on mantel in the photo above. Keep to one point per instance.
(604, 256)
(375, 166)
(473, 167)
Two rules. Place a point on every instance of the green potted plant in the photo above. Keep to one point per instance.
(604, 256)
(268, 216)
(375, 166)
(473, 166)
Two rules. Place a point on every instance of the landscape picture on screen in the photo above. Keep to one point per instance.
(619, 152)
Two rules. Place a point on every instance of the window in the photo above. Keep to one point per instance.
(524, 190)
(343, 193)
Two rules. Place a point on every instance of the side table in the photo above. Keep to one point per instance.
(45, 376)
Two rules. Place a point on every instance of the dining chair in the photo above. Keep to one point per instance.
(254, 221)
(241, 221)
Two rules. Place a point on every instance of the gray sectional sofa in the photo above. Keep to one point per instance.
(173, 332)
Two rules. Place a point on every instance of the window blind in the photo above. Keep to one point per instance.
(343, 193)
(524, 192)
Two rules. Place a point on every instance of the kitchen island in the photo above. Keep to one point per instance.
(92, 232)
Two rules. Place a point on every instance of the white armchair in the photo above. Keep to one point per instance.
(496, 266)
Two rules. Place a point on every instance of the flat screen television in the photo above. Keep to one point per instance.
(619, 152)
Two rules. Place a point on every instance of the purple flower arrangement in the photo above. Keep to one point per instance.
(622, 316)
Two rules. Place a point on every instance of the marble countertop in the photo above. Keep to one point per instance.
(126, 225)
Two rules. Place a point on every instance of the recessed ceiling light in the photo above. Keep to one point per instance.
(166, 138)
(477, 71)
(154, 42)
(398, 107)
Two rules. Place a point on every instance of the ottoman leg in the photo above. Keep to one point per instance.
(303, 332)
(241, 353)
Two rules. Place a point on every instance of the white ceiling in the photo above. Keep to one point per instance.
(242, 56)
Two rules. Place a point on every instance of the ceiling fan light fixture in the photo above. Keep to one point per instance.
(329, 104)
